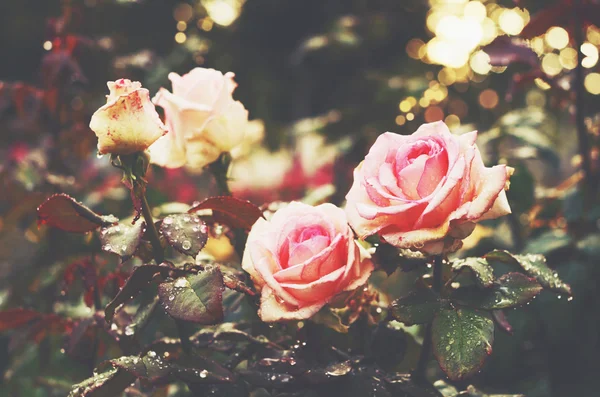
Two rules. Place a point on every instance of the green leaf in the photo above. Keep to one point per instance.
(521, 194)
(590, 245)
(418, 307)
(462, 339)
(107, 384)
(330, 319)
(122, 239)
(156, 368)
(535, 266)
(185, 232)
(139, 279)
(64, 212)
(195, 298)
(512, 289)
(479, 267)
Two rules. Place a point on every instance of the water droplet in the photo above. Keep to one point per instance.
(107, 247)
(203, 373)
(186, 245)
(559, 296)
(181, 283)
(129, 330)
(570, 298)
(168, 220)
(187, 218)
(447, 347)
(171, 297)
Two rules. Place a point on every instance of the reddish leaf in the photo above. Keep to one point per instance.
(231, 211)
(556, 15)
(15, 318)
(63, 212)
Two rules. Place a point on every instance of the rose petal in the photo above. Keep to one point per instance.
(272, 309)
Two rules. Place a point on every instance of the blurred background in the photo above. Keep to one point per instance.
(322, 79)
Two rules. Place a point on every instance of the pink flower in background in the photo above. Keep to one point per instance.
(204, 119)
(301, 258)
(128, 123)
(425, 191)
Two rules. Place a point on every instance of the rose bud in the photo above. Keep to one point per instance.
(128, 123)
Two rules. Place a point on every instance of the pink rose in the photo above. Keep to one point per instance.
(128, 123)
(204, 119)
(425, 191)
(301, 258)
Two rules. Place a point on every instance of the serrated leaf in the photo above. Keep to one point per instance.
(185, 232)
(535, 266)
(64, 212)
(155, 368)
(231, 211)
(140, 277)
(511, 290)
(196, 298)
(418, 307)
(462, 339)
(107, 384)
(122, 239)
(481, 270)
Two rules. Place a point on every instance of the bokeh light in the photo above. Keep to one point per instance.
(592, 83)
(557, 37)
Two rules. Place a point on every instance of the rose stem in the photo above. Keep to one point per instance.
(436, 285)
(582, 134)
(219, 170)
(159, 255)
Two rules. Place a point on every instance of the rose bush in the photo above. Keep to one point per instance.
(425, 191)
(128, 122)
(204, 119)
(301, 258)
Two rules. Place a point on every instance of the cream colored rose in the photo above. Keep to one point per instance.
(205, 119)
(128, 123)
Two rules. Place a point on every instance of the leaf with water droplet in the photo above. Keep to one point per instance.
(64, 212)
(184, 232)
(510, 290)
(139, 279)
(479, 267)
(535, 266)
(197, 298)
(106, 384)
(472, 335)
(418, 307)
(122, 239)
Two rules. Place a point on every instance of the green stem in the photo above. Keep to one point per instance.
(159, 255)
(219, 170)
(436, 285)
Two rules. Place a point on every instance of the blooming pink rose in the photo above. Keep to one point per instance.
(204, 119)
(128, 123)
(425, 191)
(301, 258)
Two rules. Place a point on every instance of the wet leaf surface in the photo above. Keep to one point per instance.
(481, 270)
(64, 212)
(418, 307)
(195, 298)
(230, 211)
(122, 239)
(186, 233)
(462, 339)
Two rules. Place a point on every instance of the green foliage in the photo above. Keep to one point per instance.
(195, 298)
(186, 233)
(462, 339)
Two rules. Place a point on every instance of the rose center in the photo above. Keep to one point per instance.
(303, 244)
